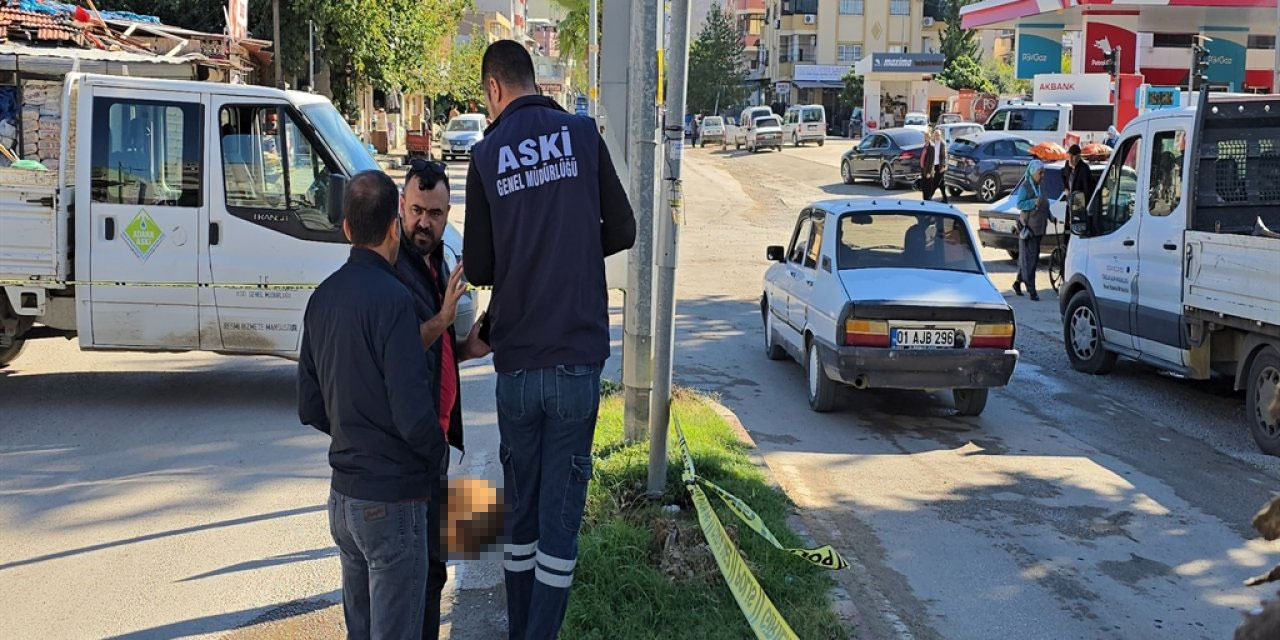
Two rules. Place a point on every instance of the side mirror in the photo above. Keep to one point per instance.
(337, 193)
(1078, 214)
(775, 253)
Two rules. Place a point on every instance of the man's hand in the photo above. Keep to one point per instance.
(474, 347)
(439, 324)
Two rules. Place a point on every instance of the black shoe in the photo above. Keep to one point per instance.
(1035, 297)
(1017, 287)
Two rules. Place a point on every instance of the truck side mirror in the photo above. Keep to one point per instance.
(337, 193)
(775, 253)
(1078, 214)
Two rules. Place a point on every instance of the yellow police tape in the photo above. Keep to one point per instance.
(760, 612)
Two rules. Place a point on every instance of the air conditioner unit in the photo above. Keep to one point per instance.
(928, 22)
(809, 18)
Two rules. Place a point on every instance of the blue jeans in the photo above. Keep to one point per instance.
(547, 419)
(383, 547)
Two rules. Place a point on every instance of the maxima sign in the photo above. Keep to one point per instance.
(922, 63)
(1075, 88)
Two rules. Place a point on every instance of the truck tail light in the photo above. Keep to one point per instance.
(866, 333)
(993, 336)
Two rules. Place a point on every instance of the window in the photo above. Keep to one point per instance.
(813, 115)
(1021, 148)
(899, 8)
(1001, 149)
(1113, 205)
(897, 48)
(997, 121)
(1172, 40)
(1258, 41)
(1042, 119)
(784, 48)
(1168, 148)
(851, 7)
(815, 244)
(800, 242)
(146, 152)
(847, 52)
(1019, 120)
(274, 174)
(905, 240)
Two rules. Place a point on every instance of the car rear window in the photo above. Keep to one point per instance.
(768, 121)
(811, 115)
(905, 240)
(711, 121)
(963, 146)
(908, 137)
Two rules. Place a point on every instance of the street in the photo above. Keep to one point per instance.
(175, 494)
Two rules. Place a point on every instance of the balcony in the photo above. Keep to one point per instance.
(790, 7)
(935, 9)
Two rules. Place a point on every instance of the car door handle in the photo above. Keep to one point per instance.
(215, 233)
(110, 231)
(1128, 243)
(1170, 246)
(809, 282)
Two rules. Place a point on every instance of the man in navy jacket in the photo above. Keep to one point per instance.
(544, 208)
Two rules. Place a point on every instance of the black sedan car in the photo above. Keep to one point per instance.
(989, 163)
(890, 156)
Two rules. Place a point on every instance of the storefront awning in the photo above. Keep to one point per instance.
(818, 85)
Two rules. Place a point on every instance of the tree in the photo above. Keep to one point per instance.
(717, 72)
(958, 43)
(851, 95)
(1003, 79)
(572, 32)
(965, 73)
(462, 75)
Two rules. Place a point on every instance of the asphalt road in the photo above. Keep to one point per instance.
(164, 495)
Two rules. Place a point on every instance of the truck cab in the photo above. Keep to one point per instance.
(183, 216)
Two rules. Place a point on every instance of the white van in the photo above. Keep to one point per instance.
(803, 123)
(1051, 122)
(746, 121)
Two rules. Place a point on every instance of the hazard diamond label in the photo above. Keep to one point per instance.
(143, 235)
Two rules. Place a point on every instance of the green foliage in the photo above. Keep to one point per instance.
(851, 94)
(1003, 79)
(460, 79)
(572, 32)
(958, 43)
(965, 73)
(717, 72)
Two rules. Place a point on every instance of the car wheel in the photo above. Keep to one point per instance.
(820, 141)
(1013, 254)
(846, 173)
(822, 390)
(703, 144)
(737, 145)
(11, 352)
(989, 188)
(970, 402)
(772, 350)
(779, 148)
(1082, 333)
(1263, 404)
(955, 192)
(886, 178)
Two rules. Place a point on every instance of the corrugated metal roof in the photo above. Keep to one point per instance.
(61, 60)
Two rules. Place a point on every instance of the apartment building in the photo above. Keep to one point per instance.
(809, 45)
(748, 17)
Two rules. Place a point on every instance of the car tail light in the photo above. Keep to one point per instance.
(984, 223)
(907, 155)
(993, 336)
(866, 333)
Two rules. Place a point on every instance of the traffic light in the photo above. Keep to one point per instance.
(1111, 61)
(1199, 62)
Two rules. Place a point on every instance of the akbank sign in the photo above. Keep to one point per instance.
(1039, 50)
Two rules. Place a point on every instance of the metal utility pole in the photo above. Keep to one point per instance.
(275, 33)
(311, 55)
(593, 59)
(668, 237)
(642, 124)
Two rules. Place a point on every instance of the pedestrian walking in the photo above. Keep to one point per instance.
(363, 379)
(544, 208)
(933, 164)
(1033, 223)
(424, 213)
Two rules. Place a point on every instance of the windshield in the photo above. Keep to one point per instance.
(906, 240)
(812, 115)
(463, 124)
(916, 120)
(768, 121)
(353, 156)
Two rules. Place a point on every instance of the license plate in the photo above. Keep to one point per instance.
(1003, 226)
(924, 338)
(813, 127)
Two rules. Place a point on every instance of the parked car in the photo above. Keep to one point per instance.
(891, 155)
(887, 293)
(712, 131)
(804, 123)
(765, 132)
(745, 121)
(854, 130)
(916, 120)
(998, 224)
(1051, 122)
(950, 118)
(953, 130)
(990, 164)
(462, 133)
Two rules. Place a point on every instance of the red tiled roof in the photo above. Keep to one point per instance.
(26, 25)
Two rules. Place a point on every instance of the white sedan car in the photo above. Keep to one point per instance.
(887, 293)
(766, 133)
(462, 133)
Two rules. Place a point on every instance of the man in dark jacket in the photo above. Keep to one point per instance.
(363, 380)
(424, 212)
(933, 165)
(544, 208)
(1076, 175)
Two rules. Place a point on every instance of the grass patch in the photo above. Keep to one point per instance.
(646, 573)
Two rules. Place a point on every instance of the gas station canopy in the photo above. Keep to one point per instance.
(1153, 16)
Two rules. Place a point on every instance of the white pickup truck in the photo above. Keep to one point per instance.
(181, 216)
(1169, 265)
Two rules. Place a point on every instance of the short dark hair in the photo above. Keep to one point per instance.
(371, 203)
(508, 62)
(428, 172)
(1074, 150)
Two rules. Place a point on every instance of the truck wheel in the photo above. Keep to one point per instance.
(1263, 401)
(1082, 333)
(772, 350)
(970, 402)
(10, 353)
(822, 390)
